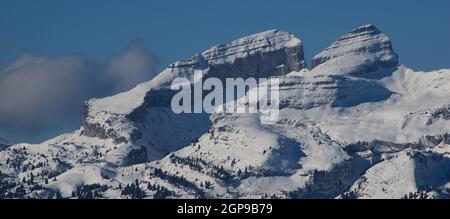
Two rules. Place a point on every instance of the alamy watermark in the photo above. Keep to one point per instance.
(238, 95)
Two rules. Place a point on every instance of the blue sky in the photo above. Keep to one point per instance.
(176, 29)
(99, 32)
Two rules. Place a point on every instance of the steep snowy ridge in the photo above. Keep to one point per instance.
(356, 125)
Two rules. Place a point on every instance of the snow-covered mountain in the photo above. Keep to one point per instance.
(357, 124)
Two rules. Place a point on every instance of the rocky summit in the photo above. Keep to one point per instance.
(356, 124)
(365, 49)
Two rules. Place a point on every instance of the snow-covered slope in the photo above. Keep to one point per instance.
(357, 125)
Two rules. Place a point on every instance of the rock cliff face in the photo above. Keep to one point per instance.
(265, 54)
(363, 50)
(335, 91)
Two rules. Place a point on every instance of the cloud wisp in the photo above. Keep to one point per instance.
(45, 95)
(134, 64)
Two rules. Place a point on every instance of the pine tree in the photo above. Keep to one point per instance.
(207, 184)
(58, 195)
(89, 195)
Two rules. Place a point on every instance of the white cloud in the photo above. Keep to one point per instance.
(38, 94)
(132, 65)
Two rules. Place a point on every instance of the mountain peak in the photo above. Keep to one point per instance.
(362, 50)
(274, 44)
(365, 28)
(266, 40)
(265, 54)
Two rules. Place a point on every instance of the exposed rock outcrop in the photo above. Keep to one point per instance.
(337, 91)
(265, 54)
